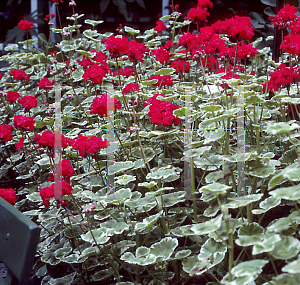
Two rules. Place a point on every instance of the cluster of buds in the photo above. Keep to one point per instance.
(133, 128)
(87, 210)
(133, 101)
(72, 3)
(52, 71)
(49, 18)
(175, 13)
(57, 2)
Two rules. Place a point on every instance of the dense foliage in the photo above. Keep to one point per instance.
(179, 151)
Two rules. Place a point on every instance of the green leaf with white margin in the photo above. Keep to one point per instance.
(34, 197)
(119, 196)
(125, 179)
(147, 222)
(249, 268)
(91, 34)
(163, 173)
(77, 74)
(292, 267)
(281, 127)
(102, 275)
(212, 250)
(125, 283)
(250, 234)
(287, 248)
(99, 235)
(215, 188)
(131, 31)
(140, 260)
(284, 223)
(266, 245)
(207, 227)
(93, 22)
(114, 228)
(182, 254)
(288, 193)
(211, 108)
(243, 201)
(172, 199)
(120, 166)
(165, 71)
(221, 234)
(285, 279)
(192, 265)
(148, 185)
(164, 248)
(266, 205)
(262, 172)
(66, 280)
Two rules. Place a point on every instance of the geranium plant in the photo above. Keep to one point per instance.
(204, 162)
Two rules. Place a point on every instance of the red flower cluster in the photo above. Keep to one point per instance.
(161, 112)
(49, 17)
(284, 16)
(180, 64)
(9, 195)
(20, 143)
(47, 139)
(19, 74)
(21, 121)
(95, 73)
(12, 96)
(197, 15)
(236, 27)
(46, 84)
(160, 26)
(243, 51)
(99, 105)
(28, 102)
(85, 62)
(204, 3)
(86, 145)
(116, 46)
(25, 26)
(162, 55)
(66, 170)
(5, 132)
(131, 87)
(48, 192)
(295, 26)
(125, 72)
(281, 77)
(100, 56)
(291, 44)
(136, 51)
(162, 80)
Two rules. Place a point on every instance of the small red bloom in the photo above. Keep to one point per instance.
(99, 105)
(28, 102)
(160, 26)
(9, 195)
(46, 84)
(25, 26)
(131, 87)
(21, 121)
(12, 96)
(20, 144)
(5, 132)
(19, 74)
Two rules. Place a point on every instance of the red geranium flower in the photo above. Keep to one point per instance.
(25, 26)
(125, 72)
(48, 139)
(5, 132)
(19, 74)
(291, 44)
(197, 15)
(136, 51)
(162, 55)
(131, 87)
(95, 73)
(20, 144)
(21, 121)
(116, 46)
(28, 102)
(46, 83)
(180, 64)
(85, 62)
(99, 105)
(9, 195)
(94, 144)
(204, 3)
(160, 26)
(66, 170)
(12, 96)
(284, 16)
